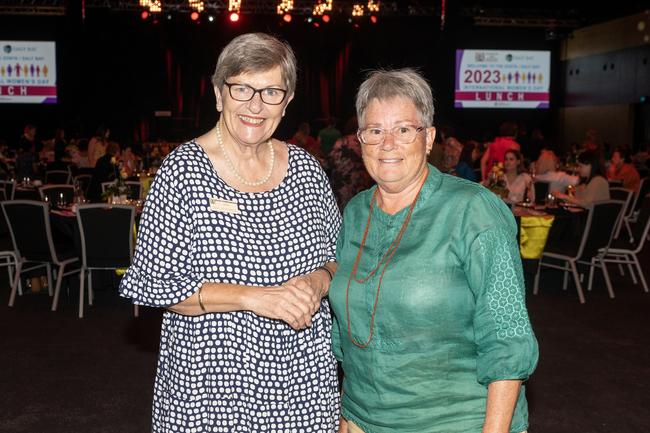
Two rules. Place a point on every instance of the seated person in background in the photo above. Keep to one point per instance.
(302, 138)
(130, 161)
(105, 170)
(520, 185)
(596, 187)
(496, 150)
(25, 162)
(546, 167)
(458, 159)
(621, 169)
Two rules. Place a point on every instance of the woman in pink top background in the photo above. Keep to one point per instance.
(496, 150)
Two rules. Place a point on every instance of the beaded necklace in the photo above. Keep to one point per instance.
(231, 165)
(385, 260)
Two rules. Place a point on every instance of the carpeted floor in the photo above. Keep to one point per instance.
(61, 374)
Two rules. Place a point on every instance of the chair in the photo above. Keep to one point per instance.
(57, 177)
(135, 188)
(595, 241)
(9, 188)
(626, 195)
(625, 253)
(82, 182)
(631, 217)
(8, 256)
(106, 242)
(53, 193)
(31, 235)
(541, 191)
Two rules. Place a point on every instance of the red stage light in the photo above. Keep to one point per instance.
(326, 19)
(287, 18)
(316, 24)
(373, 19)
(234, 17)
(144, 15)
(194, 16)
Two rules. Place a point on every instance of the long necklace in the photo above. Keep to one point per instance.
(385, 260)
(232, 166)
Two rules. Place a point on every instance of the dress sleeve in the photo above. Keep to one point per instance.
(506, 346)
(161, 274)
(332, 219)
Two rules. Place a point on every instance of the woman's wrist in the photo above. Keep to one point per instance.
(326, 280)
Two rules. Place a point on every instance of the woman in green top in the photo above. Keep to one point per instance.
(431, 324)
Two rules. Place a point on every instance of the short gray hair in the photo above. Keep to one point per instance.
(256, 52)
(385, 84)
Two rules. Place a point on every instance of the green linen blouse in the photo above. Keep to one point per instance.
(451, 316)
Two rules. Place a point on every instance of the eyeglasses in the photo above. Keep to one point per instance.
(244, 92)
(403, 134)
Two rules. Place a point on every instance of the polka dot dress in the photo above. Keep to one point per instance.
(236, 372)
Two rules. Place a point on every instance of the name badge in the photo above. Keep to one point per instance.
(226, 206)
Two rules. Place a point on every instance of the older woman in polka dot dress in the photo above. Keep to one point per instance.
(237, 242)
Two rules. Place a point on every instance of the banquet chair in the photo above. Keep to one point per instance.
(107, 242)
(57, 177)
(8, 256)
(541, 191)
(31, 235)
(52, 193)
(594, 243)
(626, 195)
(635, 207)
(9, 188)
(627, 253)
(82, 181)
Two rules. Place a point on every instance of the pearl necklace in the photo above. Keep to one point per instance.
(231, 165)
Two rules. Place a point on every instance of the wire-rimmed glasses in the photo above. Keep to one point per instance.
(403, 134)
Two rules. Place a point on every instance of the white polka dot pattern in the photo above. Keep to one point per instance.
(236, 372)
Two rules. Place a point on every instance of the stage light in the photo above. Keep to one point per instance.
(373, 19)
(287, 18)
(211, 18)
(326, 19)
(144, 15)
(194, 16)
(316, 24)
(234, 17)
(169, 17)
(310, 19)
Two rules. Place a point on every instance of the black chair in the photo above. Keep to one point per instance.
(635, 207)
(82, 182)
(57, 177)
(626, 195)
(541, 191)
(626, 253)
(29, 225)
(8, 256)
(595, 241)
(57, 193)
(9, 188)
(107, 242)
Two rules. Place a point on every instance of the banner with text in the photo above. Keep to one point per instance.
(502, 79)
(28, 72)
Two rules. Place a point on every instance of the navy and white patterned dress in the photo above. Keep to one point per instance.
(236, 372)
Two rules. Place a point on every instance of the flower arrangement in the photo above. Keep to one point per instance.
(496, 181)
(117, 188)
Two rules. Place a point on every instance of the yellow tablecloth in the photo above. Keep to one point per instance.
(533, 235)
